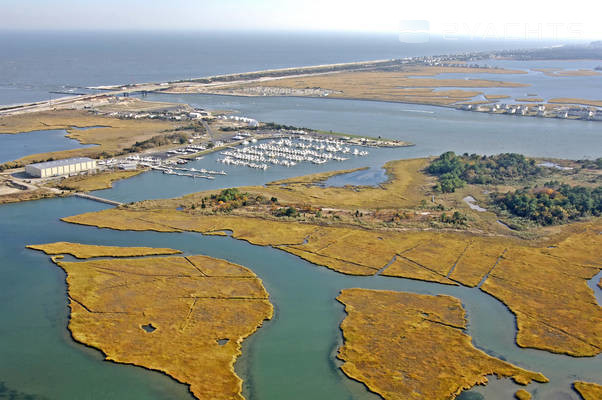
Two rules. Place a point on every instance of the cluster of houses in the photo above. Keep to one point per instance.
(444, 62)
(253, 123)
(286, 91)
(166, 115)
(538, 110)
(454, 60)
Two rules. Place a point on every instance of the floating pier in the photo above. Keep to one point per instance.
(98, 199)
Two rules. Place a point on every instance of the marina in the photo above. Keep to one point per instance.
(290, 151)
(167, 166)
(191, 174)
(287, 151)
(295, 147)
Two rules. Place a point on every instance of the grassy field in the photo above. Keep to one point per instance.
(29, 195)
(84, 251)
(427, 332)
(530, 99)
(544, 321)
(583, 102)
(411, 85)
(428, 70)
(522, 394)
(579, 72)
(588, 391)
(406, 187)
(496, 96)
(103, 180)
(135, 105)
(527, 275)
(560, 72)
(395, 86)
(183, 316)
(113, 136)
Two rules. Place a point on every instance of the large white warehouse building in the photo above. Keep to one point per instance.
(60, 167)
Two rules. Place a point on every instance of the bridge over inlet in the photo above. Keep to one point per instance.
(98, 199)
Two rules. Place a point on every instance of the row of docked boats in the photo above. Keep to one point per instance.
(168, 167)
(288, 152)
(189, 172)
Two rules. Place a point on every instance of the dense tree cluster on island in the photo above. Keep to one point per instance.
(555, 203)
(455, 171)
(156, 141)
(591, 164)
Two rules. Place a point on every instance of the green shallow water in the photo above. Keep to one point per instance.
(291, 357)
(37, 355)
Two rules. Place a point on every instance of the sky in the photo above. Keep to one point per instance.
(511, 19)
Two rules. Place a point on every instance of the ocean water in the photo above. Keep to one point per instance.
(33, 64)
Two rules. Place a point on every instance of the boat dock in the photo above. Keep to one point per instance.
(98, 199)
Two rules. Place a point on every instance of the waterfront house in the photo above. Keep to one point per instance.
(596, 115)
(578, 113)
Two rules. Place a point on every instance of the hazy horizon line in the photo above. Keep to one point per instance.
(433, 35)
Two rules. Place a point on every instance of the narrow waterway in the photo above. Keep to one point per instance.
(291, 357)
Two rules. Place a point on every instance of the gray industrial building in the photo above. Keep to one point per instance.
(60, 167)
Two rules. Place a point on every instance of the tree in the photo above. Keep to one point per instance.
(455, 171)
(287, 212)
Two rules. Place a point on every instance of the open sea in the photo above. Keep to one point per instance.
(34, 64)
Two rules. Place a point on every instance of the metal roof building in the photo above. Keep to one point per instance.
(60, 167)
